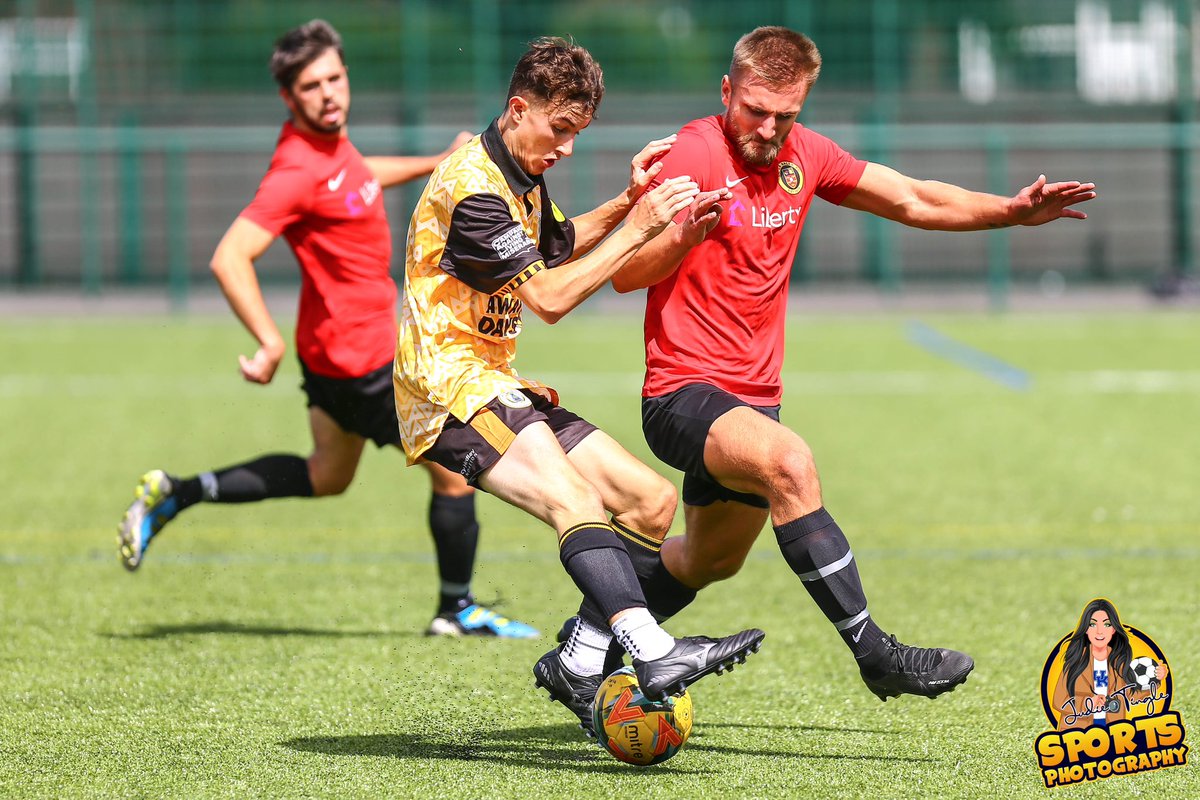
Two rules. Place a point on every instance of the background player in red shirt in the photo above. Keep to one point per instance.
(324, 198)
(715, 315)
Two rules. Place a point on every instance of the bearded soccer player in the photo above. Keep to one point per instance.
(485, 242)
(714, 326)
(325, 199)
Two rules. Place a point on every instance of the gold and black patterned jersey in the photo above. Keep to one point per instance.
(482, 227)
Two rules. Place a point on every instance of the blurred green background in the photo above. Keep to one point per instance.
(132, 131)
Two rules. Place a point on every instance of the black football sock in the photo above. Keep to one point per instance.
(187, 492)
(817, 551)
(665, 595)
(263, 478)
(455, 538)
(599, 565)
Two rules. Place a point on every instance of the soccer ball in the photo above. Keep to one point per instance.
(1143, 672)
(636, 729)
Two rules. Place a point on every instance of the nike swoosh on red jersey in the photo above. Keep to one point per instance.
(336, 181)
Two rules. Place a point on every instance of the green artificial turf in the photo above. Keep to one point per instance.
(275, 649)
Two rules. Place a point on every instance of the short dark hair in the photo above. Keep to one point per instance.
(301, 46)
(559, 73)
(776, 56)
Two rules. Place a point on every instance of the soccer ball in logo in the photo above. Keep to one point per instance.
(1143, 672)
(636, 729)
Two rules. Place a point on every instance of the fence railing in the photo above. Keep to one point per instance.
(105, 207)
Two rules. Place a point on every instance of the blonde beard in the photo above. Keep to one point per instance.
(758, 154)
(752, 151)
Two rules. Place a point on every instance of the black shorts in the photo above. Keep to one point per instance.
(365, 405)
(676, 426)
(470, 447)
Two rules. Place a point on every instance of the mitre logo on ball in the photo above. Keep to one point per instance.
(636, 729)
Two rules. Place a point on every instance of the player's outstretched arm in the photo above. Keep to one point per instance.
(552, 293)
(933, 205)
(659, 257)
(395, 170)
(592, 227)
(233, 266)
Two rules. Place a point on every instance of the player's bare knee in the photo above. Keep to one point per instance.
(570, 496)
(793, 473)
(330, 489)
(664, 506)
(328, 484)
(654, 510)
(723, 568)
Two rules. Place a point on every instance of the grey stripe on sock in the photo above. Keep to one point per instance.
(846, 624)
(829, 569)
(208, 486)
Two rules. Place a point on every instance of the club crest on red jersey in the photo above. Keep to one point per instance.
(790, 177)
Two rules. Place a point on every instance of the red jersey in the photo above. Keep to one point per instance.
(323, 199)
(719, 318)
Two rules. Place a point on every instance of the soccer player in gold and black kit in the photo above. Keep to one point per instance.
(485, 242)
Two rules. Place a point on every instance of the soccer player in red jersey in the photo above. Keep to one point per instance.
(325, 199)
(714, 328)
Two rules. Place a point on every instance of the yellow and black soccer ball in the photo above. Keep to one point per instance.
(636, 729)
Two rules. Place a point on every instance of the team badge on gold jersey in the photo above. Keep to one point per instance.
(514, 399)
(790, 177)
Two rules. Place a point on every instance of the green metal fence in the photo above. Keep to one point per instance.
(132, 131)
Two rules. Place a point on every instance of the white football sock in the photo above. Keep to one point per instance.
(585, 649)
(641, 636)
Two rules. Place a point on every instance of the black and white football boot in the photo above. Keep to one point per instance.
(576, 692)
(692, 658)
(924, 671)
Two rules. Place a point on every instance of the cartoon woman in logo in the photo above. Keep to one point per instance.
(1097, 684)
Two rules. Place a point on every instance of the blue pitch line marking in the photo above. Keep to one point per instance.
(990, 367)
